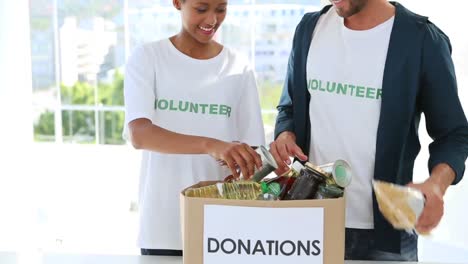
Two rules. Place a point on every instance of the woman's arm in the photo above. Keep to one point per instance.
(145, 135)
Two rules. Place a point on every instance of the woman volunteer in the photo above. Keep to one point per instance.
(188, 101)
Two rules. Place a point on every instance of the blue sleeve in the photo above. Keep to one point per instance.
(446, 123)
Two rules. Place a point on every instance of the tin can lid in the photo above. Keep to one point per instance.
(342, 173)
(297, 166)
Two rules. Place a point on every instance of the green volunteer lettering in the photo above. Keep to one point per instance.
(332, 88)
(379, 94)
(203, 106)
(183, 106)
(222, 110)
(163, 104)
(321, 88)
(196, 108)
(346, 89)
(370, 93)
(213, 109)
(342, 88)
(171, 106)
(360, 91)
(313, 84)
(352, 89)
(193, 108)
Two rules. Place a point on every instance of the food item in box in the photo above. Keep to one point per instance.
(238, 190)
(210, 191)
(286, 180)
(340, 171)
(329, 191)
(268, 164)
(241, 190)
(295, 170)
(400, 205)
(306, 185)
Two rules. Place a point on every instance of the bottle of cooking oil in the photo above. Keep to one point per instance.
(238, 190)
(210, 191)
(241, 190)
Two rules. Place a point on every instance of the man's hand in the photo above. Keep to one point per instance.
(433, 207)
(283, 148)
(433, 189)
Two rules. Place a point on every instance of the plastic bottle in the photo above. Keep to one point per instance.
(273, 188)
(210, 191)
(239, 190)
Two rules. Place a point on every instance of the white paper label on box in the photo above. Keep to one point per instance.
(236, 234)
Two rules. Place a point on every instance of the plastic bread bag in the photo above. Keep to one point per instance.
(400, 205)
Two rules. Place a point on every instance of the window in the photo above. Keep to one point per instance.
(79, 99)
(78, 51)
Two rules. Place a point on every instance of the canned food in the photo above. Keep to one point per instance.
(326, 191)
(339, 170)
(268, 164)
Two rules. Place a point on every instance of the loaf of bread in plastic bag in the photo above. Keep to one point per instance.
(400, 205)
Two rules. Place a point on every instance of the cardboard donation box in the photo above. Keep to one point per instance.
(226, 231)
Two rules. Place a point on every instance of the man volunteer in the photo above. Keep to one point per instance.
(360, 74)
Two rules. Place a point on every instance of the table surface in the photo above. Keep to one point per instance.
(50, 258)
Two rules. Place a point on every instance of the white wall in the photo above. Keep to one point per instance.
(15, 118)
(451, 18)
(15, 71)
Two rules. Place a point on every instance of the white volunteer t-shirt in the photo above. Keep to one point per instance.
(344, 77)
(216, 98)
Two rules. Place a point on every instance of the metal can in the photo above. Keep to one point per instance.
(268, 164)
(306, 185)
(327, 191)
(339, 170)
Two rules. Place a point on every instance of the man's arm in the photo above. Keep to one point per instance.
(146, 135)
(446, 124)
(445, 120)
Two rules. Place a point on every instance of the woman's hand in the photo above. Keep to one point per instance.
(235, 155)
